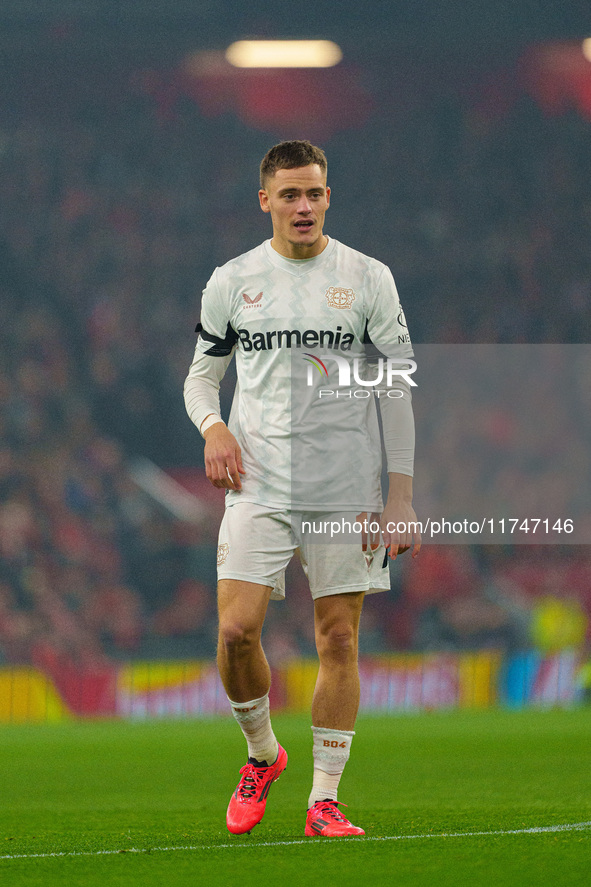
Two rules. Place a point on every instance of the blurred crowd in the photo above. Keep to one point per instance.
(89, 564)
(111, 221)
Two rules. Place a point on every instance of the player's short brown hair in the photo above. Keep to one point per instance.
(291, 155)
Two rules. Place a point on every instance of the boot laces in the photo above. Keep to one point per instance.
(248, 785)
(330, 809)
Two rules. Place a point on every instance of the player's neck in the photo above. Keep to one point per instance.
(300, 250)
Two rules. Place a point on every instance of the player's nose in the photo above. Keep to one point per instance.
(304, 205)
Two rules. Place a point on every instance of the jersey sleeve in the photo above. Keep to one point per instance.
(213, 352)
(386, 334)
(385, 326)
(202, 387)
(398, 430)
(215, 333)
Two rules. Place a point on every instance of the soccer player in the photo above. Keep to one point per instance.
(270, 307)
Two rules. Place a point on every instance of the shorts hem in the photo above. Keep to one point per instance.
(349, 589)
(256, 580)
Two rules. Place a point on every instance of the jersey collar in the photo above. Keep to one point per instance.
(297, 267)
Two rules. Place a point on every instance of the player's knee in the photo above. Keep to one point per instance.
(238, 638)
(338, 641)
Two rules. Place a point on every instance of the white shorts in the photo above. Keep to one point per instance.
(256, 543)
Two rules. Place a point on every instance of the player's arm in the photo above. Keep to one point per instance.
(223, 461)
(400, 529)
(215, 347)
(386, 335)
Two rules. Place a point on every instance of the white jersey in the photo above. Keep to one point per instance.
(284, 318)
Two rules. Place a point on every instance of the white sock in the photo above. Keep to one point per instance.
(255, 722)
(331, 752)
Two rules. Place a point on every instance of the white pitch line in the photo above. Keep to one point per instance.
(535, 830)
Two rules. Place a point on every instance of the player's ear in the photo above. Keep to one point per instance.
(264, 201)
(327, 197)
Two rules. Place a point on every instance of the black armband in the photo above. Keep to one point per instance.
(218, 347)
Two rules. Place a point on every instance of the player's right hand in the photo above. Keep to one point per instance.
(223, 458)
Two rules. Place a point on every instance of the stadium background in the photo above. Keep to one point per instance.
(459, 148)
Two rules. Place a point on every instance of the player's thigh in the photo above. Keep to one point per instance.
(242, 606)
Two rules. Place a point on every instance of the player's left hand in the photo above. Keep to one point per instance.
(371, 536)
(400, 528)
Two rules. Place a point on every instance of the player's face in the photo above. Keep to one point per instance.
(297, 200)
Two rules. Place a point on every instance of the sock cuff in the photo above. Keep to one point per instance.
(253, 711)
(331, 749)
(320, 730)
(250, 705)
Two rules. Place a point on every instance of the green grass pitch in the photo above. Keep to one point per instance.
(435, 786)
